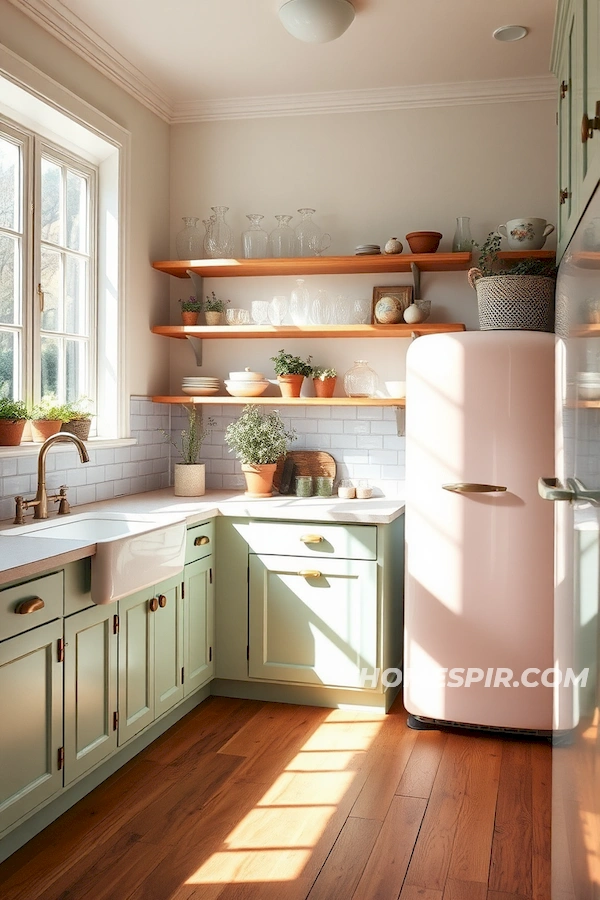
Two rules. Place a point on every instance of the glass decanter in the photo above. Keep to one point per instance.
(208, 223)
(188, 242)
(282, 240)
(255, 241)
(220, 240)
(462, 236)
(300, 303)
(308, 235)
(360, 380)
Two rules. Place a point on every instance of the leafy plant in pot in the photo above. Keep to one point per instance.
(47, 418)
(189, 475)
(190, 310)
(214, 308)
(78, 419)
(324, 381)
(258, 440)
(520, 297)
(291, 372)
(13, 415)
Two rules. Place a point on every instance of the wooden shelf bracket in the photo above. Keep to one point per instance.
(416, 274)
(196, 342)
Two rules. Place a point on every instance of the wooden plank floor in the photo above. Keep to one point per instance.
(255, 801)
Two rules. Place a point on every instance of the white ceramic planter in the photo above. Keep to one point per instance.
(189, 480)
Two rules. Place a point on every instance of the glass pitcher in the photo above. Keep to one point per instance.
(282, 240)
(310, 240)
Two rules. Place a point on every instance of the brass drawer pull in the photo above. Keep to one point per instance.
(310, 573)
(467, 487)
(203, 539)
(312, 538)
(162, 601)
(153, 604)
(29, 606)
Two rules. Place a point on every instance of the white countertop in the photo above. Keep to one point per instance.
(22, 556)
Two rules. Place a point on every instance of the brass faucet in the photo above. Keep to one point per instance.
(40, 503)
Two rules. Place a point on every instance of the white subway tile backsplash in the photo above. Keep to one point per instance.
(343, 412)
(357, 427)
(369, 412)
(370, 441)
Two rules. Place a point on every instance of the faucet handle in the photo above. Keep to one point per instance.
(19, 512)
(64, 507)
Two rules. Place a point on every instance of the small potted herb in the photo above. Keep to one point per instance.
(291, 372)
(324, 381)
(47, 417)
(190, 310)
(13, 415)
(258, 440)
(79, 418)
(214, 308)
(189, 475)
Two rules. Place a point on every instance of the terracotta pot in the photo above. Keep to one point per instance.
(213, 318)
(290, 385)
(324, 387)
(43, 428)
(424, 241)
(259, 479)
(189, 480)
(189, 318)
(79, 427)
(11, 432)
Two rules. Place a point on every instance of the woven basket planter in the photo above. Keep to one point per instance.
(521, 302)
(79, 427)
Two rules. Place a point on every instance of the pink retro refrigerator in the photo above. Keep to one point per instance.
(479, 538)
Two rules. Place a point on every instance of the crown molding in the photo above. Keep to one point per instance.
(464, 93)
(68, 28)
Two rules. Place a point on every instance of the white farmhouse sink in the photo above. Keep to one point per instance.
(133, 551)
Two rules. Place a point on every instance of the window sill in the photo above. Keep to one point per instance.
(30, 449)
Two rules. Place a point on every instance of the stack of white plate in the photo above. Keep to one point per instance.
(367, 250)
(201, 386)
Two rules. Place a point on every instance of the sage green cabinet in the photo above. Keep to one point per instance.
(198, 624)
(312, 621)
(31, 712)
(150, 656)
(90, 689)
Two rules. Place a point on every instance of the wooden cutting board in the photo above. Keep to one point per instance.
(307, 462)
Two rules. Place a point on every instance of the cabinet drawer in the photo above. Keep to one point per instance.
(313, 539)
(48, 589)
(200, 541)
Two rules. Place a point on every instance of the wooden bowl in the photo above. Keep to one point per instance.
(423, 241)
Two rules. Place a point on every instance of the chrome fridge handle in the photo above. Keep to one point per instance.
(469, 487)
(551, 489)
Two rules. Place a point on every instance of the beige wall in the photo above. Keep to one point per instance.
(147, 295)
(370, 176)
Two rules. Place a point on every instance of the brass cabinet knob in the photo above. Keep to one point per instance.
(162, 601)
(26, 607)
(153, 604)
(203, 539)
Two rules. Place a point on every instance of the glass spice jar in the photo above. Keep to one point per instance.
(324, 485)
(346, 489)
(304, 485)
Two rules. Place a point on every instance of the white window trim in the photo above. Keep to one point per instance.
(38, 102)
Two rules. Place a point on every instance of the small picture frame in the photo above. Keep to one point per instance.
(403, 292)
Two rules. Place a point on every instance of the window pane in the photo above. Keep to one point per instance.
(52, 288)
(50, 370)
(76, 295)
(10, 185)
(51, 202)
(76, 212)
(9, 364)
(10, 280)
(76, 369)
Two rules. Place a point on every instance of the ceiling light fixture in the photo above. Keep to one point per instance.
(510, 33)
(316, 21)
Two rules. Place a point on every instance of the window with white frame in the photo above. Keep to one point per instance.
(47, 269)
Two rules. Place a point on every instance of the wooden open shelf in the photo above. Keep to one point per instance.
(585, 331)
(306, 331)
(285, 401)
(317, 265)
(516, 255)
(583, 404)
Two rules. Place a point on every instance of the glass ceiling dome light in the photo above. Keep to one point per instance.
(316, 21)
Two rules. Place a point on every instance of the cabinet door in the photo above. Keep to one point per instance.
(31, 711)
(136, 664)
(198, 606)
(566, 118)
(168, 645)
(90, 689)
(590, 96)
(312, 621)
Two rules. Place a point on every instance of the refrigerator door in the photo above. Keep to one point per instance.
(576, 751)
(479, 587)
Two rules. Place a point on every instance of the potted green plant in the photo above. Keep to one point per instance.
(291, 372)
(519, 297)
(190, 310)
(189, 475)
(324, 381)
(78, 419)
(214, 308)
(258, 439)
(47, 417)
(13, 415)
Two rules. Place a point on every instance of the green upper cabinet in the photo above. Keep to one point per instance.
(576, 64)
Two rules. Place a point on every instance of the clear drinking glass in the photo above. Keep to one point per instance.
(282, 240)
(321, 309)
(363, 310)
(260, 312)
(255, 241)
(278, 309)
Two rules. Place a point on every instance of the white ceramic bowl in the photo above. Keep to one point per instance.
(396, 388)
(246, 388)
(246, 375)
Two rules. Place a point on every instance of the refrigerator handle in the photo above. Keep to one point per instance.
(551, 489)
(468, 487)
